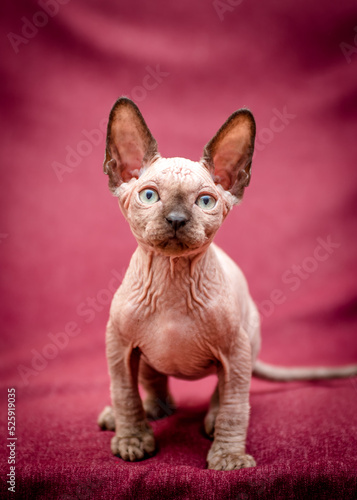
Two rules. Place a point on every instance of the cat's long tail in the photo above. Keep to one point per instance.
(287, 374)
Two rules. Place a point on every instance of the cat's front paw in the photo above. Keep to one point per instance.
(221, 458)
(135, 447)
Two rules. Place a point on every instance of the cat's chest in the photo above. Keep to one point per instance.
(177, 347)
(175, 324)
(174, 312)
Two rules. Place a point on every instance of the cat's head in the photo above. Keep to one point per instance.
(175, 206)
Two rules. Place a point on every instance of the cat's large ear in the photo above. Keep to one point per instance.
(228, 155)
(130, 144)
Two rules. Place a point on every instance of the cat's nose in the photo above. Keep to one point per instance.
(176, 220)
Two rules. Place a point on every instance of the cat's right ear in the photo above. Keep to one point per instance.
(130, 144)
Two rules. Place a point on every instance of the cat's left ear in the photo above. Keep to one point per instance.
(130, 144)
(228, 155)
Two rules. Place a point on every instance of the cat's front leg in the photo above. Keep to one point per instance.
(134, 438)
(228, 448)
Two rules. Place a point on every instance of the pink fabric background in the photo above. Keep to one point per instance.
(64, 244)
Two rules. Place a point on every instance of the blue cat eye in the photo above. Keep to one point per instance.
(149, 196)
(206, 202)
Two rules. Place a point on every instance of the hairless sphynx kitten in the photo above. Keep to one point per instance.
(183, 308)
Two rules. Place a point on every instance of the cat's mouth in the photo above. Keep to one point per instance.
(173, 242)
(175, 245)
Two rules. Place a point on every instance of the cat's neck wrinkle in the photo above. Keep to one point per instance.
(180, 281)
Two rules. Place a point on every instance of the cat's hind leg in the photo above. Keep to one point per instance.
(210, 418)
(159, 402)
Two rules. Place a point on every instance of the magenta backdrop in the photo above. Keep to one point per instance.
(64, 245)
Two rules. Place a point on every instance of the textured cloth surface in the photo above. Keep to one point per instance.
(64, 245)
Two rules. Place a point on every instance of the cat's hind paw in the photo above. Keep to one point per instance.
(156, 408)
(106, 419)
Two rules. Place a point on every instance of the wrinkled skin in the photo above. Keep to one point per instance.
(183, 308)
